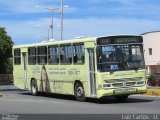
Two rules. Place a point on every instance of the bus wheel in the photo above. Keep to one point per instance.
(79, 92)
(122, 98)
(34, 88)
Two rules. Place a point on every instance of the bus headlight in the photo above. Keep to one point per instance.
(106, 85)
(140, 83)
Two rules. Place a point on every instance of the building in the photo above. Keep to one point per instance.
(152, 51)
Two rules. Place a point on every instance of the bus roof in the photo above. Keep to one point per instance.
(76, 40)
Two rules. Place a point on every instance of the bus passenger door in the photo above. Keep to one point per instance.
(24, 69)
(91, 66)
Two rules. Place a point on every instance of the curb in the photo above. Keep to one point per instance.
(153, 92)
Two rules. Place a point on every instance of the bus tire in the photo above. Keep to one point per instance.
(34, 88)
(122, 98)
(79, 92)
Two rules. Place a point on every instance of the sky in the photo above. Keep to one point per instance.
(81, 18)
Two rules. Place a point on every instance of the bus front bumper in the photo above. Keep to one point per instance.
(121, 91)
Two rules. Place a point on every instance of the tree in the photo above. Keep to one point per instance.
(6, 44)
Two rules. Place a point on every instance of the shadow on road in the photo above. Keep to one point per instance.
(14, 89)
(6, 88)
(112, 100)
(105, 100)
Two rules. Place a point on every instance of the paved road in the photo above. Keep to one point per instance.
(18, 101)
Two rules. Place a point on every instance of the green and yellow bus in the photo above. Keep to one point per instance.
(92, 67)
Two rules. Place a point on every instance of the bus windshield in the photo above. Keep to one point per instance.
(120, 57)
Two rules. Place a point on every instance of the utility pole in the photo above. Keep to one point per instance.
(52, 10)
(52, 23)
(61, 13)
(51, 26)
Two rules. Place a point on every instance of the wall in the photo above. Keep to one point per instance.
(6, 79)
(152, 40)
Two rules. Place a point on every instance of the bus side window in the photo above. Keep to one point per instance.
(78, 53)
(53, 54)
(82, 57)
(66, 54)
(32, 59)
(42, 55)
(61, 58)
(75, 58)
(17, 56)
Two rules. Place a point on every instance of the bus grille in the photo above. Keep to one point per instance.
(126, 82)
(117, 85)
(130, 83)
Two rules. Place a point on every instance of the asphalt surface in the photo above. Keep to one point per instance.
(16, 101)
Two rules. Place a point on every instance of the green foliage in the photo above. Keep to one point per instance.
(153, 77)
(6, 44)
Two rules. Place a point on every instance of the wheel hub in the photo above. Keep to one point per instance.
(34, 89)
(79, 91)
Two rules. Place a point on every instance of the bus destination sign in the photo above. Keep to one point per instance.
(127, 40)
(118, 40)
(103, 41)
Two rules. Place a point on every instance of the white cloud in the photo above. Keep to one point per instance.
(101, 27)
(132, 8)
(26, 32)
(29, 6)
(18, 6)
(125, 2)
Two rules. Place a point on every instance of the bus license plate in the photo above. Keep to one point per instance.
(124, 90)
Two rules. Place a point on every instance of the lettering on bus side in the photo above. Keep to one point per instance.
(74, 72)
(57, 71)
(36, 70)
(58, 86)
(63, 71)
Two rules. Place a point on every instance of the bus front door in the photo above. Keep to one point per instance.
(91, 79)
(24, 69)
